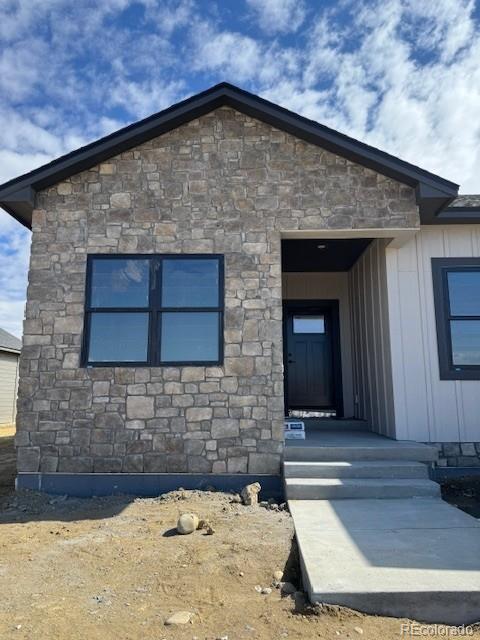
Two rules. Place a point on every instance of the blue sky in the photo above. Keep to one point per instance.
(403, 75)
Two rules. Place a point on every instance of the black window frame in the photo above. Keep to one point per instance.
(154, 309)
(441, 267)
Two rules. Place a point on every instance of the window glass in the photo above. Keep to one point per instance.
(465, 342)
(118, 337)
(189, 337)
(120, 283)
(308, 324)
(464, 293)
(190, 283)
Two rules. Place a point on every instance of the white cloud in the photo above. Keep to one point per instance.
(235, 55)
(279, 16)
(145, 98)
(404, 77)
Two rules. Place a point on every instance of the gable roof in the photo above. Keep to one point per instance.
(434, 193)
(9, 342)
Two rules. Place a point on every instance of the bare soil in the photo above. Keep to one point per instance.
(463, 493)
(115, 568)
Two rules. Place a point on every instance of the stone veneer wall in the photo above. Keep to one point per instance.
(458, 454)
(224, 183)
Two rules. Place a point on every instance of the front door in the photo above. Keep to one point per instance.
(310, 337)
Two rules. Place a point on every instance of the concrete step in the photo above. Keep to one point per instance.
(356, 469)
(415, 558)
(337, 489)
(334, 424)
(297, 450)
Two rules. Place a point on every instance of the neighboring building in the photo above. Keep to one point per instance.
(10, 347)
(169, 258)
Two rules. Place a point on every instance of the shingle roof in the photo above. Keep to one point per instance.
(9, 342)
(472, 200)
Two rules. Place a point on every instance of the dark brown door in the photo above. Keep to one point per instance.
(309, 359)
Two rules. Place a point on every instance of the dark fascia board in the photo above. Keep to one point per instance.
(458, 215)
(18, 195)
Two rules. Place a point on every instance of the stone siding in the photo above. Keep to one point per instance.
(224, 183)
(458, 454)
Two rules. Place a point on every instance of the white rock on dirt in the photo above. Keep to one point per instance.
(250, 493)
(179, 617)
(278, 575)
(187, 523)
(266, 591)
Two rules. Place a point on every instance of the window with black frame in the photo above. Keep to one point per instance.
(154, 310)
(456, 284)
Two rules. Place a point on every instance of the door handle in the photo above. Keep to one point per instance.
(291, 362)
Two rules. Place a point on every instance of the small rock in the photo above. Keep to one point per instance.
(58, 499)
(264, 504)
(100, 599)
(283, 506)
(250, 493)
(287, 588)
(205, 524)
(258, 588)
(187, 523)
(179, 617)
(358, 630)
(241, 574)
(222, 638)
(266, 591)
(236, 499)
(278, 575)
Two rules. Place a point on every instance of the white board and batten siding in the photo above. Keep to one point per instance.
(427, 409)
(371, 342)
(8, 386)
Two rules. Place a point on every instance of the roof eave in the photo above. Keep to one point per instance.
(9, 350)
(459, 215)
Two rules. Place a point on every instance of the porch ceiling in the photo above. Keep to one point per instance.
(322, 255)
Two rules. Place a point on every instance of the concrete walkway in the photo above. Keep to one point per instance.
(417, 558)
(373, 532)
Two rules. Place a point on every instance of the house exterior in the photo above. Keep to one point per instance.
(10, 347)
(200, 274)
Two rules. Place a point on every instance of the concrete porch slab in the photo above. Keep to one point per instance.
(342, 445)
(415, 557)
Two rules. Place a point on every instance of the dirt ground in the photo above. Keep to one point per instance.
(115, 568)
